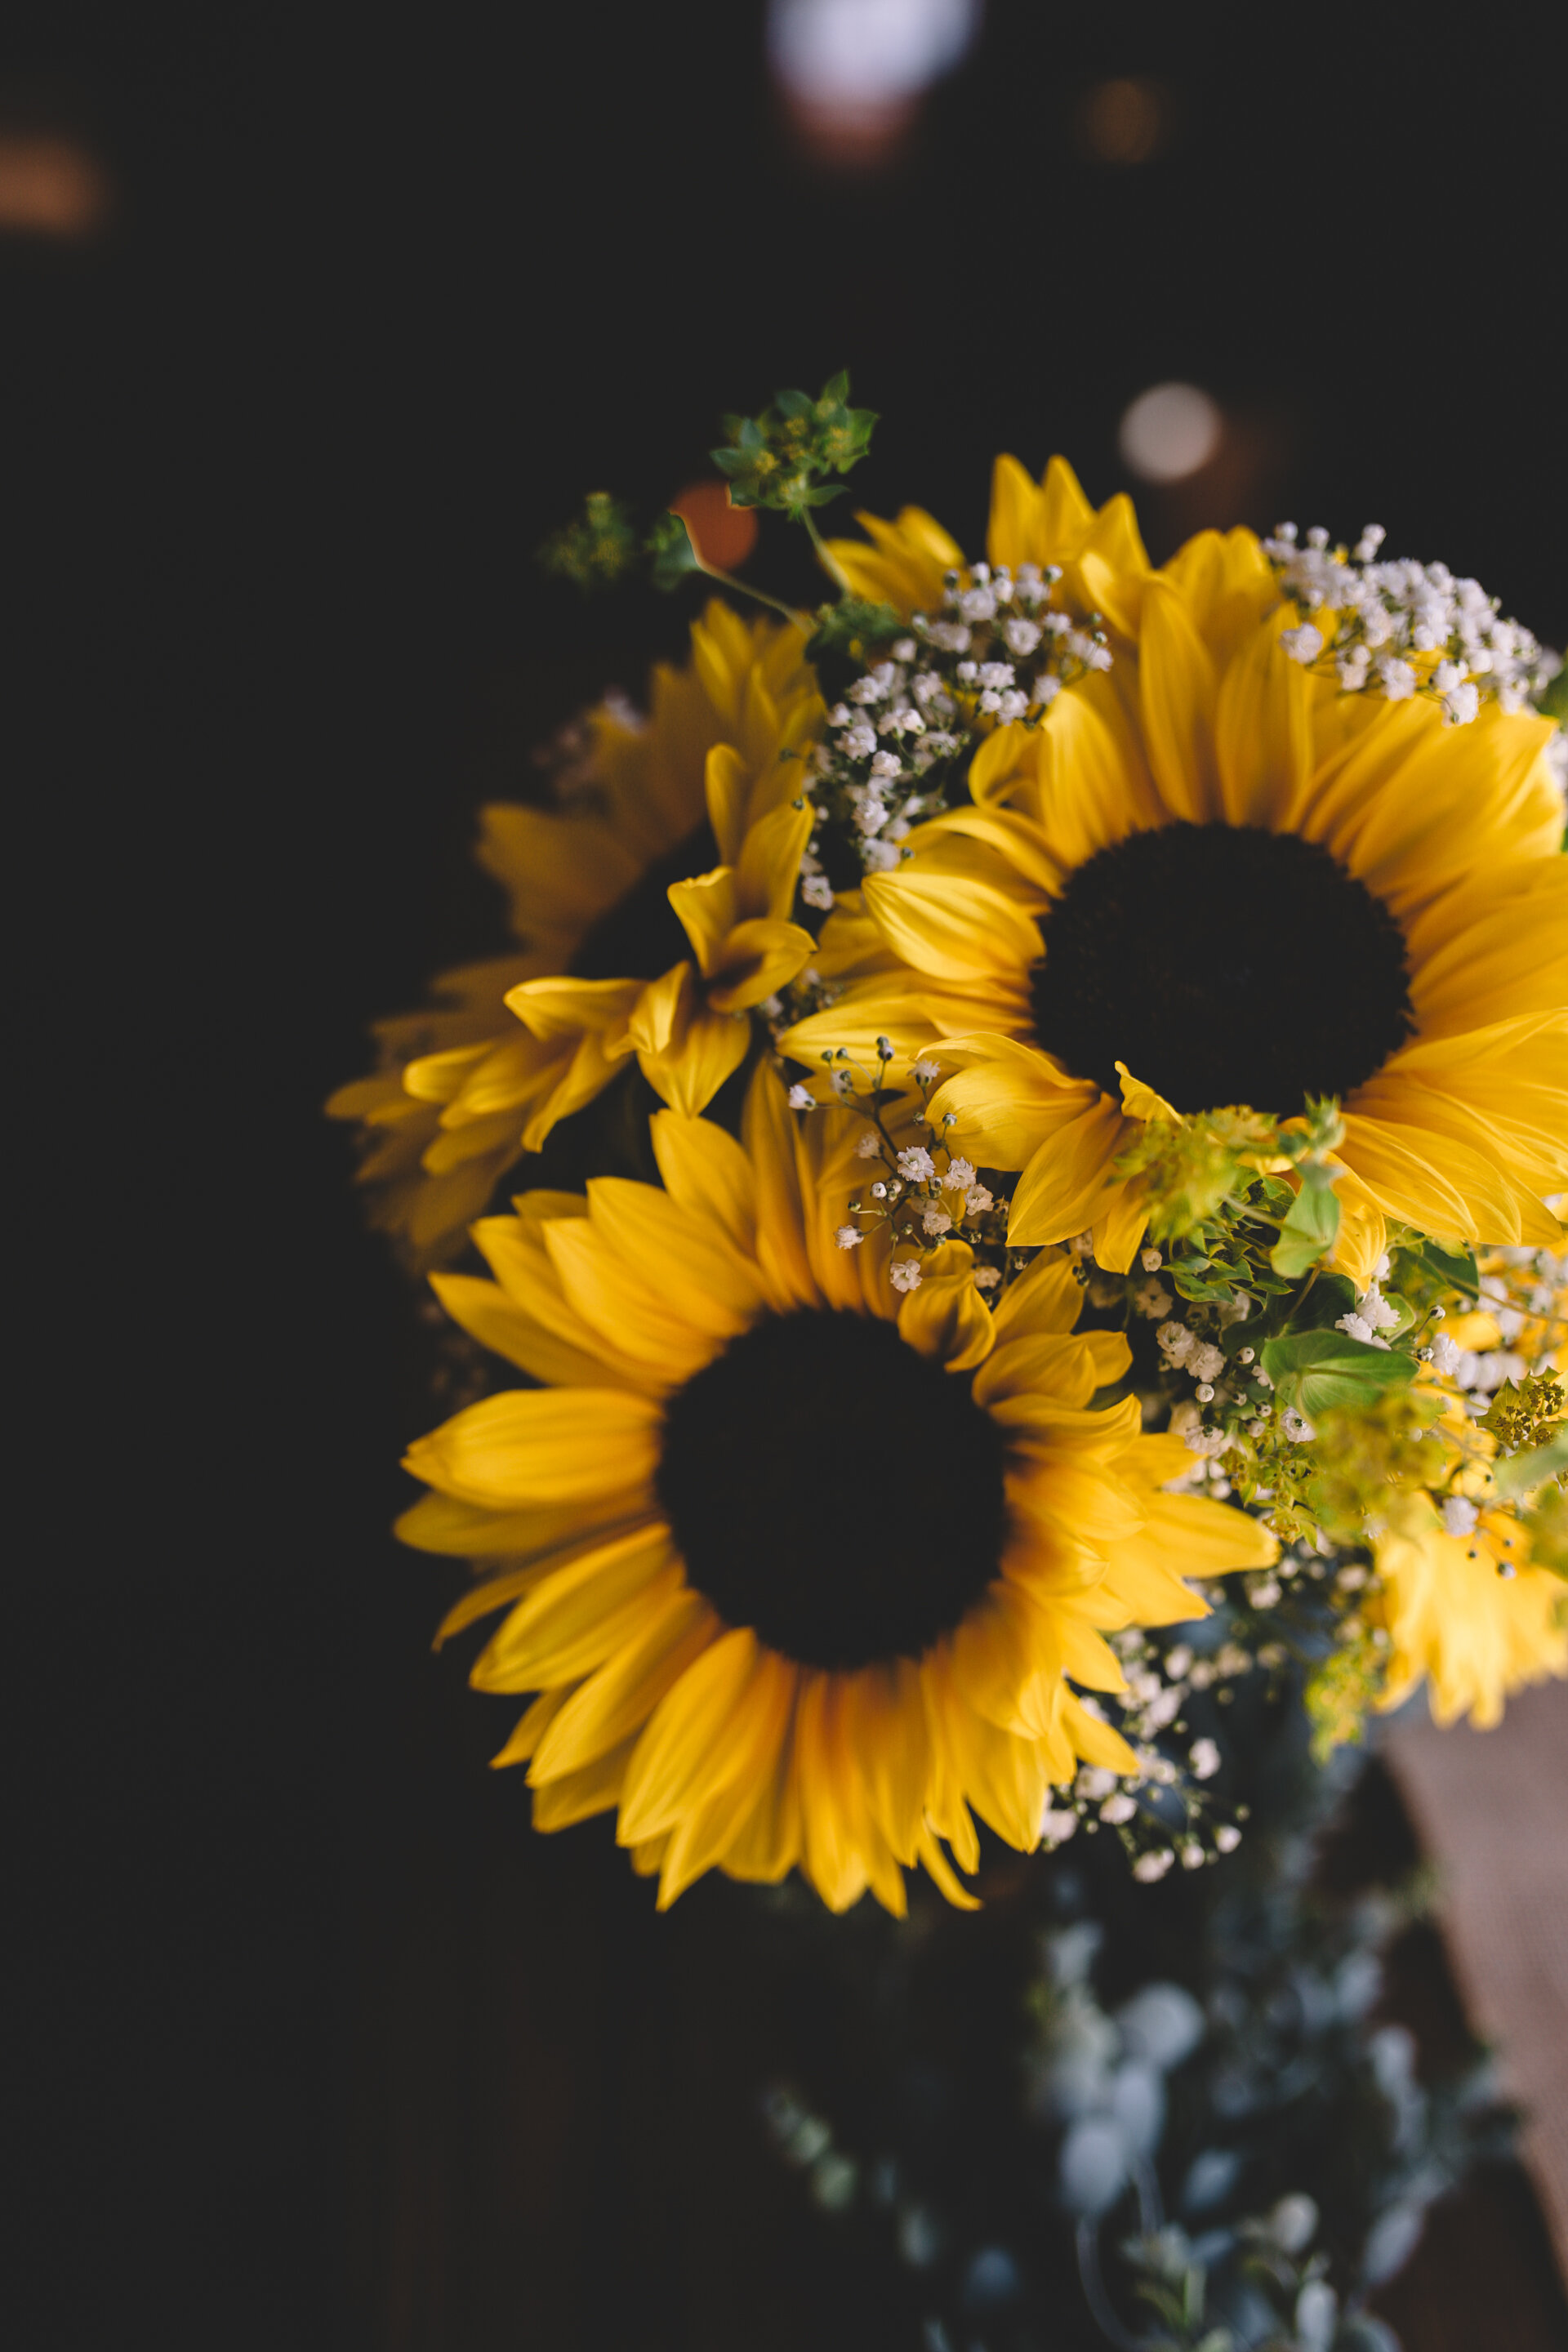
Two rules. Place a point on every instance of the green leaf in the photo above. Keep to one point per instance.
(854, 626)
(1523, 1473)
(1552, 699)
(1314, 1370)
(1457, 1268)
(1310, 1231)
(674, 557)
(1329, 1296)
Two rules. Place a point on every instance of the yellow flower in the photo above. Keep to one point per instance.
(797, 1557)
(1475, 1635)
(687, 816)
(1209, 869)
(1101, 556)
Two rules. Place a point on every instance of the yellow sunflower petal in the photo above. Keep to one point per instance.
(615, 1703)
(687, 1752)
(580, 1614)
(542, 1446)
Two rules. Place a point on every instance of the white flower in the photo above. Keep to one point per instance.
(874, 685)
(1461, 703)
(1191, 1856)
(1397, 677)
(1118, 1808)
(1459, 1516)
(1374, 1309)
(1203, 1758)
(904, 650)
(1206, 1361)
(878, 857)
(817, 891)
(858, 742)
(1445, 1355)
(849, 1237)
(959, 1172)
(1096, 1781)
(1227, 1838)
(802, 1098)
(1022, 636)
(869, 1146)
(986, 1278)
(1297, 1427)
(1356, 1329)
(904, 1274)
(887, 764)
(1177, 1343)
(871, 814)
(1150, 1260)
(1011, 705)
(916, 1164)
(1177, 1661)
(1150, 1867)
(978, 605)
(1152, 1300)
(1047, 687)
(1302, 644)
(1055, 1827)
(936, 1221)
(926, 1070)
(977, 1200)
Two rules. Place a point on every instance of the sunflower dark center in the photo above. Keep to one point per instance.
(834, 1490)
(641, 935)
(1222, 964)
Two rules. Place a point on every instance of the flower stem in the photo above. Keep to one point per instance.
(824, 555)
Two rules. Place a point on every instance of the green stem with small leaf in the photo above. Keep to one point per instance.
(824, 554)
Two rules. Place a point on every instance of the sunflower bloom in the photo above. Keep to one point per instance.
(797, 1558)
(1208, 879)
(1474, 1636)
(1050, 522)
(698, 798)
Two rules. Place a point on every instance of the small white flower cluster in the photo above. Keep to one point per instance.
(999, 650)
(1369, 1318)
(1401, 628)
(1528, 1306)
(928, 1195)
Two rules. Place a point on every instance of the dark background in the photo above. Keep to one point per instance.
(316, 2045)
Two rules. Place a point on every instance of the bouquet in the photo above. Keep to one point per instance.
(1014, 1167)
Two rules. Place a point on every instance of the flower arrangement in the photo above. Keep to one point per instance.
(1038, 1093)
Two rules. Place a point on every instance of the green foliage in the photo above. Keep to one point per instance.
(1193, 1167)
(1450, 1269)
(1311, 1227)
(600, 548)
(1528, 1414)
(1547, 1522)
(1552, 699)
(674, 557)
(1341, 1692)
(1370, 1451)
(783, 458)
(1316, 1370)
(854, 629)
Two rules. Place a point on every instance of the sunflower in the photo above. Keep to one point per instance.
(1050, 522)
(689, 812)
(1207, 880)
(797, 1557)
(1473, 1635)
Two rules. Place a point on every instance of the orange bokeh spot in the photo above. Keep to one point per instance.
(50, 187)
(722, 534)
